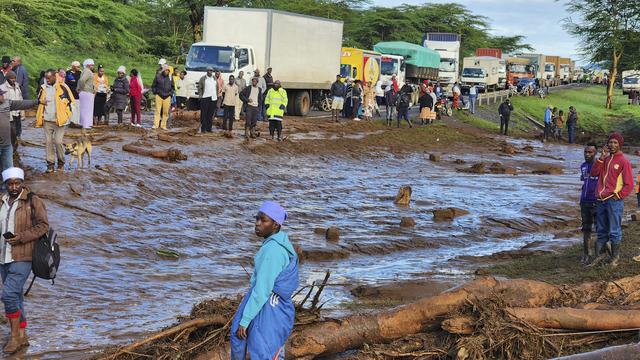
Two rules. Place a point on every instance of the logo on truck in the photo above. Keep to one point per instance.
(371, 70)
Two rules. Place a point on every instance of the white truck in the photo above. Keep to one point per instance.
(481, 71)
(630, 81)
(304, 51)
(448, 46)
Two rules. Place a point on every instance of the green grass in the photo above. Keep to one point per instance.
(564, 267)
(589, 101)
(468, 118)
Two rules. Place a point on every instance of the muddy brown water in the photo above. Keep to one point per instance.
(112, 287)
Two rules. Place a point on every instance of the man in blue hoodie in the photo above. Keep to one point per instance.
(547, 123)
(265, 317)
(588, 202)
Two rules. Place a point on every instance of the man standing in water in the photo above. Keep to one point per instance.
(615, 182)
(23, 220)
(588, 201)
(265, 317)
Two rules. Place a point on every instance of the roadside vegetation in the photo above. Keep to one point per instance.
(594, 119)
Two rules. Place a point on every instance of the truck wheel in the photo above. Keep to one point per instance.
(302, 103)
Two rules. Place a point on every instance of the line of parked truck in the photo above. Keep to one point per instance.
(306, 53)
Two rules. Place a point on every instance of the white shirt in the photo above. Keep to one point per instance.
(210, 88)
(473, 90)
(7, 224)
(50, 108)
(13, 93)
(181, 87)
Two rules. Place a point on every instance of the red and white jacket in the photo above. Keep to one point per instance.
(615, 177)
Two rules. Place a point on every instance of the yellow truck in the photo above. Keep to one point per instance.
(359, 64)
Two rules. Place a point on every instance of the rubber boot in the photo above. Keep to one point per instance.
(14, 344)
(615, 250)
(247, 133)
(587, 250)
(254, 132)
(600, 256)
(50, 168)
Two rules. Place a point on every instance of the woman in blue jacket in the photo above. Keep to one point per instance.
(265, 317)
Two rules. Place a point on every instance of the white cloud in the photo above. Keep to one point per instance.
(540, 21)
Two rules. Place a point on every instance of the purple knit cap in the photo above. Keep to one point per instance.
(273, 210)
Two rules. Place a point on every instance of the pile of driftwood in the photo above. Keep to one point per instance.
(484, 319)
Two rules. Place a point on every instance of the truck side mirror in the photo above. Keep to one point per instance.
(236, 53)
(403, 65)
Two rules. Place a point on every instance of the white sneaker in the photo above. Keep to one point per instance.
(356, 119)
(138, 125)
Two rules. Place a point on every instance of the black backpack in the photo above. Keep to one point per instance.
(46, 253)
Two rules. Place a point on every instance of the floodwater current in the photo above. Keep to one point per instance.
(112, 286)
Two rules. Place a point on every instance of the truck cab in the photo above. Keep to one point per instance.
(392, 65)
(549, 71)
(502, 73)
(630, 81)
(228, 59)
(481, 71)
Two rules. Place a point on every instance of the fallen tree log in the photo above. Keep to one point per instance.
(622, 352)
(191, 324)
(578, 319)
(331, 337)
(171, 154)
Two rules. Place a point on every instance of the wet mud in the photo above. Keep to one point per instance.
(114, 285)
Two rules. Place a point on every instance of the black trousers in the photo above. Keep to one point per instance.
(207, 107)
(275, 125)
(180, 101)
(251, 117)
(16, 127)
(229, 116)
(504, 123)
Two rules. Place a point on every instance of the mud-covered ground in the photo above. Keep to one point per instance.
(113, 218)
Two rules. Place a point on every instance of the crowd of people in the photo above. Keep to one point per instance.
(554, 123)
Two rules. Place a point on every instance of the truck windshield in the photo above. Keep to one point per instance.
(202, 56)
(389, 66)
(630, 80)
(517, 68)
(448, 65)
(549, 67)
(472, 72)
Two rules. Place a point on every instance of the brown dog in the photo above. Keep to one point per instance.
(77, 150)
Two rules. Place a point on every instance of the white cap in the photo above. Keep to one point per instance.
(122, 69)
(75, 63)
(165, 67)
(88, 62)
(162, 61)
(12, 173)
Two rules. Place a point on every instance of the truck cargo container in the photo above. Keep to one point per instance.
(420, 63)
(230, 45)
(447, 45)
(493, 52)
(359, 64)
(630, 81)
(481, 71)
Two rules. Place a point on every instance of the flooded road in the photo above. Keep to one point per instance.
(112, 286)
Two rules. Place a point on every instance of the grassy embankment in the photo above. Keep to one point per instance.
(563, 266)
(594, 119)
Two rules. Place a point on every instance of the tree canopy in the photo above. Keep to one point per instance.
(50, 33)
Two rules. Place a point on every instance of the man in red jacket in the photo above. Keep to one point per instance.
(615, 182)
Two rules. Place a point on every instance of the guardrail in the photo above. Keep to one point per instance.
(493, 97)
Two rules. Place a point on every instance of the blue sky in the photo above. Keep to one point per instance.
(540, 21)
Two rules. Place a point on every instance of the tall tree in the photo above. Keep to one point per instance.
(606, 28)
